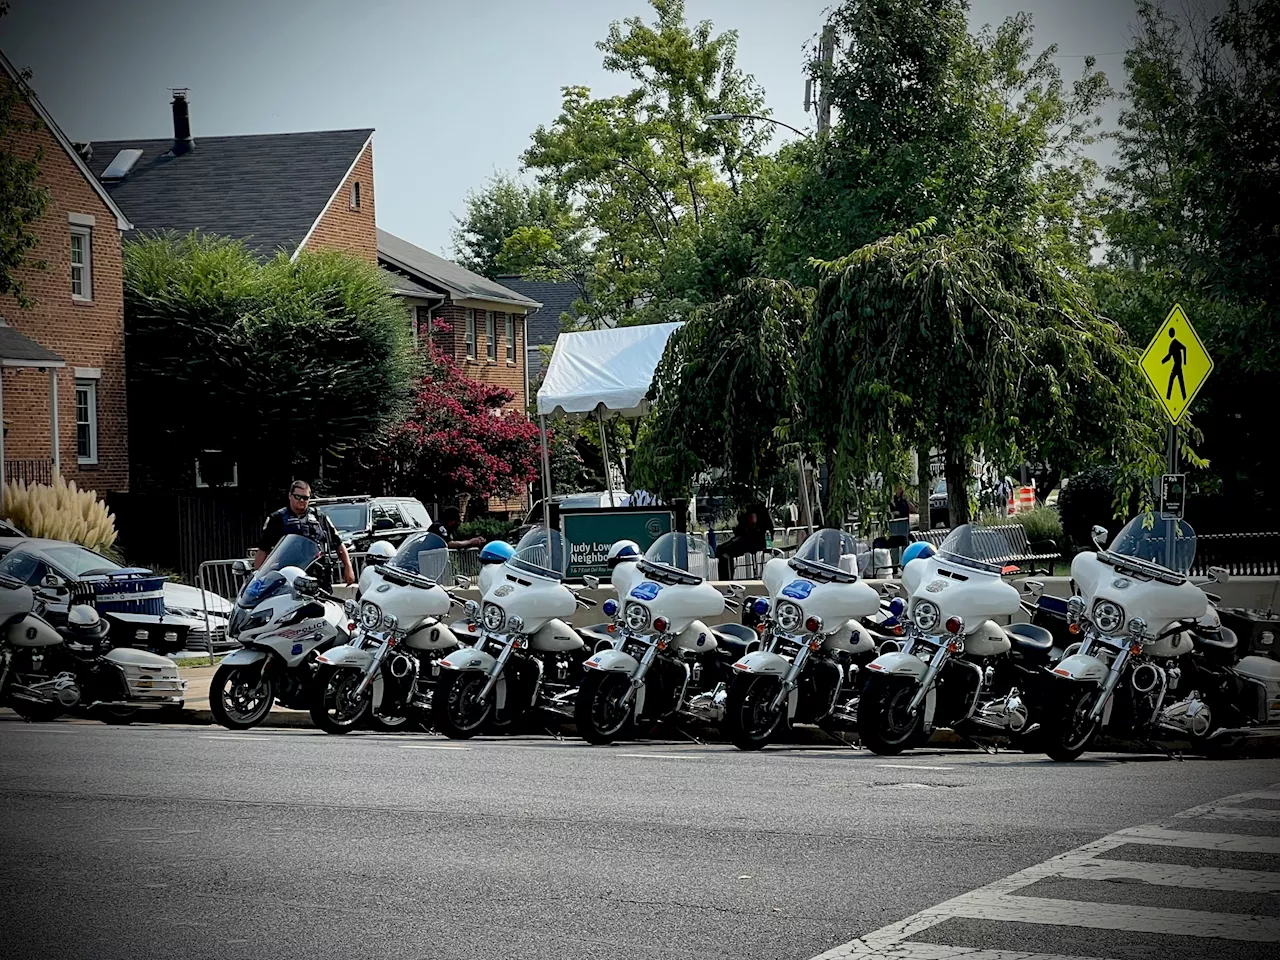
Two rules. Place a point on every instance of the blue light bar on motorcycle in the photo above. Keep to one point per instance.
(896, 606)
(610, 607)
(760, 606)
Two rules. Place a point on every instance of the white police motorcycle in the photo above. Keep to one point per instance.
(665, 656)
(525, 657)
(283, 621)
(815, 648)
(386, 674)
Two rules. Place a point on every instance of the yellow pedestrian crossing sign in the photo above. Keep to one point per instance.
(1176, 364)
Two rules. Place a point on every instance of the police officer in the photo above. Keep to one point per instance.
(446, 528)
(299, 517)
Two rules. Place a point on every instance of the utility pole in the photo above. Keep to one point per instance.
(826, 56)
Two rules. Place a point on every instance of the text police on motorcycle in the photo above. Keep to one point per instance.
(299, 517)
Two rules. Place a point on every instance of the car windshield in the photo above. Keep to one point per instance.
(829, 547)
(684, 551)
(426, 555)
(980, 548)
(1166, 543)
(292, 551)
(347, 517)
(77, 561)
(540, 554)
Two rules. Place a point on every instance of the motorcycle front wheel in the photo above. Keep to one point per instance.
(749, 723)
(1067, 729)
(884, 724)
(456, 707)
(334, 706)
(240, 697)
(598, 710)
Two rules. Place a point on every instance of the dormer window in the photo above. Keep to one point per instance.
(355, 195)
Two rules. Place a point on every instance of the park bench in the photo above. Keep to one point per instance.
(1011, 547)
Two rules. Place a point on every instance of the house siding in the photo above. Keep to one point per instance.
(342, 228)
(84, 334)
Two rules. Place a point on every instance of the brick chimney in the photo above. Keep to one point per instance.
(182, 142)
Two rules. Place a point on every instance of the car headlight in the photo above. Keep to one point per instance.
(926, 615)
(370, 615)
(494, 617)
(636, 616)
(788, 616)
(1108, 616)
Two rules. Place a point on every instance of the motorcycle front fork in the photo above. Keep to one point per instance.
(926, 682)
(1109, 685)
(791, 680)
(637, 678)
(507, 649)
(374, 666)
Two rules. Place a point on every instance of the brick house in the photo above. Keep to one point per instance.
(488, 321)
(69, 343)
(557, 298)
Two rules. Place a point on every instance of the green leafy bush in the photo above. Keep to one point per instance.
(1042, 523)
(491, 528)
(1089, 498)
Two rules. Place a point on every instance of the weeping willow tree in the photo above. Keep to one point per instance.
(724, 393)
(967, 344)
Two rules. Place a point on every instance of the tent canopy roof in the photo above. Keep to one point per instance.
(609, 369)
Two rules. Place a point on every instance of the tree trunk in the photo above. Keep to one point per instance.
(924, 487)
(957, 472)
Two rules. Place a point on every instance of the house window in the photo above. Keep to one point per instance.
(82, 263)
(87, 421)
(471, 334)
(355, 195)
(511, 337)
(491, 335)
(422, 327)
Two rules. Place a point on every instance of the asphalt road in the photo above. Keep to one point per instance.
(193, 842)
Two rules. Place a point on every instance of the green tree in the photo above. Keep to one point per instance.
(965, 343)
(22, 197)
(504, 208)
(305, 359)
(645, 166)
(724, 392)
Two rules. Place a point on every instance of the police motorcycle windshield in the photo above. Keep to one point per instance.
(293, 550)
(426, 555)
(685, 552)
(1146, 538)
(541, 553)
(827, 548)
(978, 548)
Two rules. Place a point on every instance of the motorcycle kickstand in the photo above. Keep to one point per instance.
(990, 751)
(686, 734)
(835, 734)
(1169, 754)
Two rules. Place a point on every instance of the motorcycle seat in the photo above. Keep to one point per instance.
(1029, 639)
(735, 639)
(1220, 643)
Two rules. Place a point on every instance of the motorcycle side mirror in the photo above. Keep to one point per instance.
(1099, 535)
(1219, 574)
(891, 589)
(53, 581)
(1214, 599)
(737, 590)
(593, 583)
(462, 583)
(306, 586)
(1035, 588)
(239, 567)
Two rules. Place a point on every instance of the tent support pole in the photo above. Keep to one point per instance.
(546, 477)
(804, 493)
(604, 451)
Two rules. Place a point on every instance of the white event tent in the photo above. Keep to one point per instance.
(599, 373)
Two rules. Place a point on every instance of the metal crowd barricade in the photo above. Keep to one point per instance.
(218, 577)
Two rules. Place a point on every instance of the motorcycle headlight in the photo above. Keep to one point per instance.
(926, 615)
(789, 616)
(370, 615)
(1108, 616)
(389, 621)
(494, 617)
(636, 616)
(516, 623)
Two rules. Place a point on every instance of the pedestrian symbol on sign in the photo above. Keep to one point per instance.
(1178, 354)
(1176, 364)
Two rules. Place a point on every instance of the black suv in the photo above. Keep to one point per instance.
(362, 520)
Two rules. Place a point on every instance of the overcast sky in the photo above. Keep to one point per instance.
(453, 89)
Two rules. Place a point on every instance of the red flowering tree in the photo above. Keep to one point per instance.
(461, 437)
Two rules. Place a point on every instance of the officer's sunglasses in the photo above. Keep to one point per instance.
(300, 498)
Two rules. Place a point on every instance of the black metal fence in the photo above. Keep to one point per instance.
(1242, 554)
(32, 471)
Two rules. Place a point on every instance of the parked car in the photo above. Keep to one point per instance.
(362, 520)
(578, 501)
(54, 568)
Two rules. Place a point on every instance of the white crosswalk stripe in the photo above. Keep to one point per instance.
(1009, 901)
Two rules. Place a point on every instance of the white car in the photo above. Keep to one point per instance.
(50, 567)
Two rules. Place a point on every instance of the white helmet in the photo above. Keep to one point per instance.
(380, 551)
(623, 551)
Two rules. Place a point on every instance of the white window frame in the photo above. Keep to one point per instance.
(511, 337)
(422, 331)
(90, 388)
(491, 336)
(235, 473)
(471, 335)
(86, 267)
(355, 195)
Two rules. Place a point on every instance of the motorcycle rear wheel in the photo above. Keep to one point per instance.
(596, 711)
(333, 706)
(748, 722)
(456, 709)
(1067, 731)
(116, 716)
(240, 697)
(884, 725)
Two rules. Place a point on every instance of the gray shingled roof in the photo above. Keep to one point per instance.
(407, 288)
(19, 350)
(556, 297)
(265, 189)
(460, 283)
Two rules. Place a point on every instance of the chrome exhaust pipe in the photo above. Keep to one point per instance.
(62, 690)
